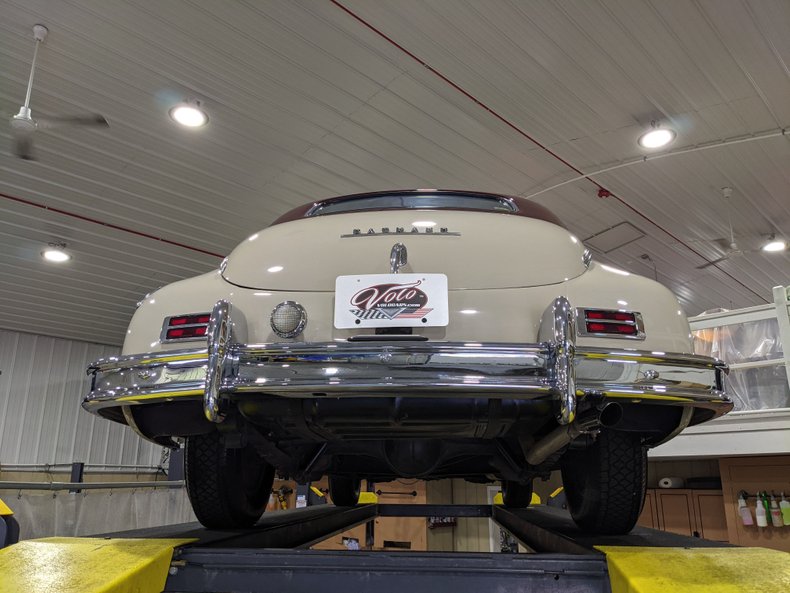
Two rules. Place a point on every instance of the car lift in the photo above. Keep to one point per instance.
(274, 556)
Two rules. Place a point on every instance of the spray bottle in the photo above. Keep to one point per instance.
(759, 512)
(784, 506)
(745, 512)
(776, 514)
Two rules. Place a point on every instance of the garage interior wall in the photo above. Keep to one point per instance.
(42, 384)
(93, 512)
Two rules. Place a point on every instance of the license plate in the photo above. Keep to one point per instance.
(391, 300)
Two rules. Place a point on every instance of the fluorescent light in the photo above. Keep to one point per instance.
(775, 245)
(468, 311)
(189, 115)
(656, 138)
(55, 254)
(275, 269)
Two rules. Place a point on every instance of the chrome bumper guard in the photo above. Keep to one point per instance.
(552, 369)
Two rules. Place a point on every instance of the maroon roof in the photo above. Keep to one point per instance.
(523, 207)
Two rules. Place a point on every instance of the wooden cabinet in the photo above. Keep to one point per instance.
(649, 516)
(401, 533)
(698, 513)
(754, 474)
(676, 511)
(389, 533)
(710, 514)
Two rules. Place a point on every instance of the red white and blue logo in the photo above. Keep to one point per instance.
(390, 301)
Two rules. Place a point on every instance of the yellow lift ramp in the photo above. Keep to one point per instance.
(275, 556)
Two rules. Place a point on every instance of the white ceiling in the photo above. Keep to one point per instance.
(317, 98)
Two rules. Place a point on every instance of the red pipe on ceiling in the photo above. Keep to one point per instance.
(602, 191)
(108, 225)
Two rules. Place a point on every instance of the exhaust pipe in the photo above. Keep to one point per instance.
(609, 416)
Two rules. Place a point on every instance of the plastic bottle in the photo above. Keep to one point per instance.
(776, 514)
(760, 514)
(745, 512)
(784, 506)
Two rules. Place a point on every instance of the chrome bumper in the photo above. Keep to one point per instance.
(553, 369)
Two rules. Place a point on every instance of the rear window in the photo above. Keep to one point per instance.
(421, 201)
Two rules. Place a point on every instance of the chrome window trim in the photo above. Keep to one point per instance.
(511, 205)
(581, 324)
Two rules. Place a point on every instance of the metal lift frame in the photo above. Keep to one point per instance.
(274, 555)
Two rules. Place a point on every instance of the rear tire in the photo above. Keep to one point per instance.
(516, 495)
(605, 483)
(344, 490)
(228, 488)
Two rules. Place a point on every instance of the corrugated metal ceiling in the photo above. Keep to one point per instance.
(318, 98)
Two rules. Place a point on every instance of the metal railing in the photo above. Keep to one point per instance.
(75, 486)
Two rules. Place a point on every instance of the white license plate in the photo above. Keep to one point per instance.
(391, 300)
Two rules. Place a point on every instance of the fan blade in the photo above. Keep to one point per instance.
(714, 262)
(722, 242)
(91, 119)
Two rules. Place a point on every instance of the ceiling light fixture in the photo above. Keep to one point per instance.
(774, 244)
(56, 253)
(189, 114)
(656, 137)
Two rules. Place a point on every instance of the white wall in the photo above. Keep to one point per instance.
(91, 512)
(42, 385)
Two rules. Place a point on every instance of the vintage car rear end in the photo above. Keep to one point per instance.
(423, 334)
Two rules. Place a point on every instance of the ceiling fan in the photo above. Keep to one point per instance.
(23, 126)
(730, 245)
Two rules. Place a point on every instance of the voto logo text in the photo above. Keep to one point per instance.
(390, 301)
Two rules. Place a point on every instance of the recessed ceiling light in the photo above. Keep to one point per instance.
(656, 137)
(189, 114)
(775, 244)
(56, 253)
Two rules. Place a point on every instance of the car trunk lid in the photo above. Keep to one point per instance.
(476, 250)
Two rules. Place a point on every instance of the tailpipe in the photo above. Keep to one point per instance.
(606, 417)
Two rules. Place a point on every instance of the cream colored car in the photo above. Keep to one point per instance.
(411, 334)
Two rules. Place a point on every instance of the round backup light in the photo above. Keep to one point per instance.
(288, 319)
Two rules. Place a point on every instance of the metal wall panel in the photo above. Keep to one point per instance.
(41, 421)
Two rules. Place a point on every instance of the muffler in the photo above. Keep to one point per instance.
(607, 417)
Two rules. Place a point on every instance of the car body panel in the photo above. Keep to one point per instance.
(486, 315)
(476, 250)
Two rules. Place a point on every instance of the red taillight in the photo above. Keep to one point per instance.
(610, 315)
(189, 319)
(186, 332)
(186, 327)
(611, 328)
(610, 322)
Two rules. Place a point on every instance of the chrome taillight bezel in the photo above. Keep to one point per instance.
(166, 326)
(582, 320)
